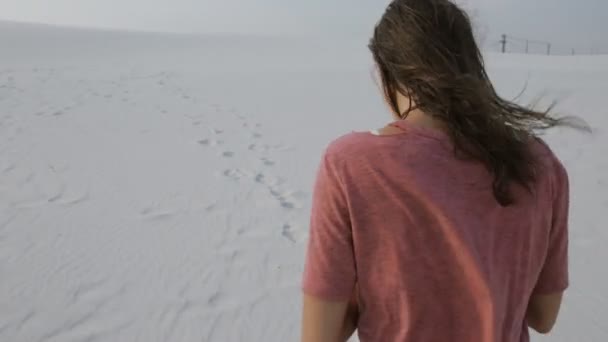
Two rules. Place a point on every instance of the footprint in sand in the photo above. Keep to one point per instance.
(293, 235)
(211, 207)
(8, 168)
(210, 142)
(287, 233)
(234, 174)
(258, 148)
(286, 204)
(256, 135)
(57, 196)
(267, 162)
(288, 200)
(270, 182)
(227, 154)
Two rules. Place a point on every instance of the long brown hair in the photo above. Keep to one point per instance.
(426, 49)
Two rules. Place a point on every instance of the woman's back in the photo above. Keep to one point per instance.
(434, 255)
(455, 236)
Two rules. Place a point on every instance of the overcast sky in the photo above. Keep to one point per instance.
(569, 23)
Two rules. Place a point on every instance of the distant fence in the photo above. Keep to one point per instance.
(512, 44)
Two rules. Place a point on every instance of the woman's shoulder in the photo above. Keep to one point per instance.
(350, 145)
(552, 166)
(545, 153)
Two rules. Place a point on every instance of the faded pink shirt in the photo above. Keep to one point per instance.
(435, 257)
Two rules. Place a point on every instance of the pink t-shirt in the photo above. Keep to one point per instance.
(433, 254)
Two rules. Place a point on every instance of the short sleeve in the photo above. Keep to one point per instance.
(554, 274)
(329, 271)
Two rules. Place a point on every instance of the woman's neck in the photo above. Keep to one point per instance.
(422, 119)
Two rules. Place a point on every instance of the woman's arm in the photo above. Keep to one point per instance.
(324, 321)
(545, 302)
(329, 321)
(543, 311)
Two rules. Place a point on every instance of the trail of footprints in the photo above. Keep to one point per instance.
(275, 186)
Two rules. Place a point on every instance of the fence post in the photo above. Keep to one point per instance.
(548, 48)
(527, 46)
(573, 52)
(504, 43)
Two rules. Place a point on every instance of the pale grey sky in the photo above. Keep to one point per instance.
(568, 23)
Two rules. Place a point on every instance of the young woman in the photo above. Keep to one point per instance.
(449, 224)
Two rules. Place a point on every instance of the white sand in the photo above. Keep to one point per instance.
(157, 187)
